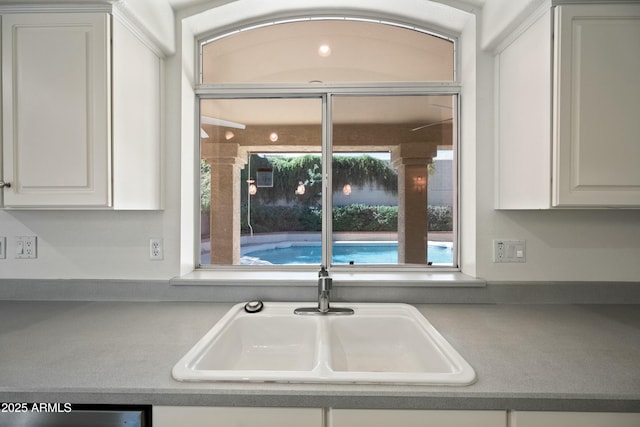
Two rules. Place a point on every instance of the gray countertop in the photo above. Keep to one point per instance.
(526, 357)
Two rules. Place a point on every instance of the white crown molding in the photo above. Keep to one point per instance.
(531, 19)
(133, 24)
(118, 8)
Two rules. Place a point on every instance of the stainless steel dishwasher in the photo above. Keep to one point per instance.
(68, 415)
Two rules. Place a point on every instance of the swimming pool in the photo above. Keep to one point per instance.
(346, 253)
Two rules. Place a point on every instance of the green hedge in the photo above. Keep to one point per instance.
(440, 218)
(205, 186)
(273, 219)
(357, 217)
(365, 218)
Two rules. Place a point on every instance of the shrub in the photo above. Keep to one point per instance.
(273, 219)
(205, 186)
(311, 219)
(357, 217)
(440, 218)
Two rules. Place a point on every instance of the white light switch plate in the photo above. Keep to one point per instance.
(26, 247)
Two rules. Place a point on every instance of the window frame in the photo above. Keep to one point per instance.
(326, 92)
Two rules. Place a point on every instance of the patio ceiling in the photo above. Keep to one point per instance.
(359, 52)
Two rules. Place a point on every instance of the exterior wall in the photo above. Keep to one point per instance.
(440, 192)
(365, 196)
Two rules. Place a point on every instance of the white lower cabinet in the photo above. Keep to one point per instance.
(573, 419)
(200, 416)
(415, 418)
(195, 416)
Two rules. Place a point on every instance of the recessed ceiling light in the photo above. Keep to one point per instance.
(324, 50)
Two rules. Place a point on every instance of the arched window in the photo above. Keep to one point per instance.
(327, 50)
(328, 141)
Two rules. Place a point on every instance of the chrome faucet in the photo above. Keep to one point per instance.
(325, 283)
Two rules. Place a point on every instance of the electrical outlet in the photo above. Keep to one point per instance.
(156, 251)
(509, 251)
(26, 247)
(3, 247)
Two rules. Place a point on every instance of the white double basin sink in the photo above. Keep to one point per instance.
(379, 343)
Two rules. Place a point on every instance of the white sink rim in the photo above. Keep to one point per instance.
(324, 368)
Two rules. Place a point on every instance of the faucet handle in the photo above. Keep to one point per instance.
(325, 283)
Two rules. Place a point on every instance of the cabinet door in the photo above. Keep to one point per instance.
(573, 419)
(56, 124)
(192, 416)
(597, 95)
(415, 418)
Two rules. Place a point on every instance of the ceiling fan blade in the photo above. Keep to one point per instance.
(431, 124)
(206, 120)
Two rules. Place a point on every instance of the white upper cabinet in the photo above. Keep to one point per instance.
(596, 132)
(568, 128)
(80, 120)
(56, 85)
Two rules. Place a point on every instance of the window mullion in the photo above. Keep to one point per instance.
(327, 198)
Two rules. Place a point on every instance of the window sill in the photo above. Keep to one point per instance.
(308, 278)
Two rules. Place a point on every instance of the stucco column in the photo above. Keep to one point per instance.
(411, 161)
(226, 161)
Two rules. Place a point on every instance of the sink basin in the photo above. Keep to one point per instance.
(263, 343)
(380, 343)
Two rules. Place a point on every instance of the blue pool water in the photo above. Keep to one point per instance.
(361, 253)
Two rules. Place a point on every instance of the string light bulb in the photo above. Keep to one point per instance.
(252, 187)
